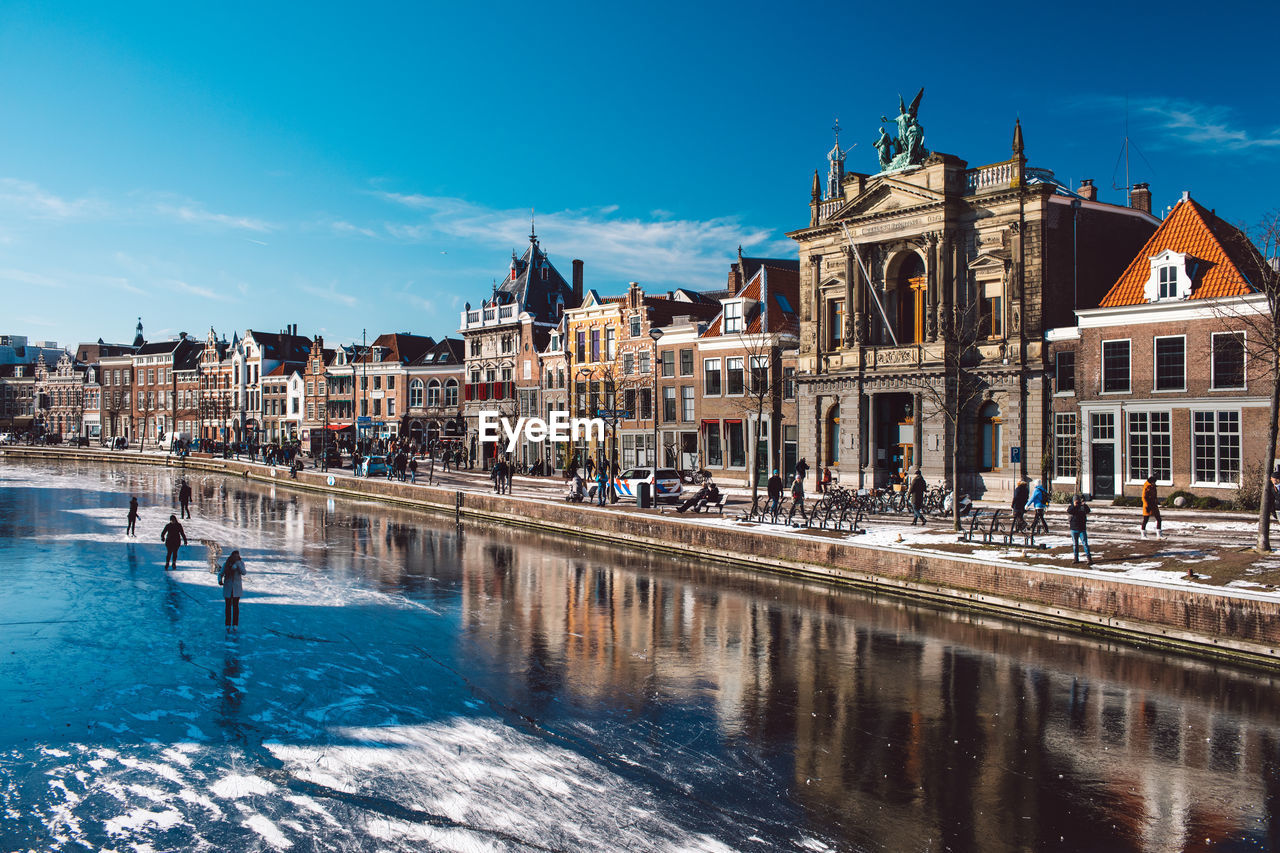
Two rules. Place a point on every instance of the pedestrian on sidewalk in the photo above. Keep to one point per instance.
(184, 499)
(602, 483)
(1021, 494)
(775, 492)
(802, 469)
(797, 492)
(1272, 496)
(1150, 506)
(413, 472)
(509, 472)
(132, 517)
(173, 536)
(1040, 502)
(1079, 513)
(917, 498)
(230, 578)
(825, 483)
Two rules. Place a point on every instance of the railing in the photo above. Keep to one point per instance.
(473, 317)
(505, 312)
(989, 177)
(829, 207)
(489, 315)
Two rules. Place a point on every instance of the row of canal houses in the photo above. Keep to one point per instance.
(1098, 343)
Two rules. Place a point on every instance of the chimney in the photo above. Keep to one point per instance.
(1140, 197)
(1087, 190)
(577, 283)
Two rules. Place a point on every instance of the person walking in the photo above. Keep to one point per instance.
(602, 483)
(1272, 496)
(184, 499)
(917, 498)
(802, 469)
(1079, 514)
(1021, 494)
(1150, 507)
(230, 578)
(132, 517)
(1040, 502)
(775, 492)
(509, 472)
(413, 472)
(173, 536)
(797, 493)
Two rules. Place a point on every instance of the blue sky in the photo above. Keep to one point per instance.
(371, 166)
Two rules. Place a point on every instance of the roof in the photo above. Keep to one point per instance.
(1223, 261)
(781, 289)
(447, 351)
(396, 347)
(286, 368)
(281, 346)
(534, 285)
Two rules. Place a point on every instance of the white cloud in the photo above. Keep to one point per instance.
(34, 200)
(341, 227)
(663, 248)
(1188, 122)
(195, 290)
(330, 294)
(196, 214)
(34, 279)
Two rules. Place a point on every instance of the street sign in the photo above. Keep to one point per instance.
(363, 421)
(1015, 455)
(614, 413)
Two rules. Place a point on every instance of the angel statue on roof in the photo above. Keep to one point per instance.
(910, 141)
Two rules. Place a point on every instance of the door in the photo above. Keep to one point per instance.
(1104, 470)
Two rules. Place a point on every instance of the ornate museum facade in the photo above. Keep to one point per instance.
(926, 289)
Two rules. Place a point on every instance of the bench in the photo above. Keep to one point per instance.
(707, 506)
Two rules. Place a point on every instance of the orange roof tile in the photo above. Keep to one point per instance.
(1228, 260)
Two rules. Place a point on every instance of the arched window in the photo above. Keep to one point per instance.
(415, 394)
(451, 393)
(433, 393)
(989, 423)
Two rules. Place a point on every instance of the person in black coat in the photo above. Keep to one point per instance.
(132, 517)
(802, 468)
(1078, 511)
(173, 536)
(775, 492)
(184, 499)
(1021, 494)
(917, 498)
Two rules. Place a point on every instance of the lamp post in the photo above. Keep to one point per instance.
(656, 334)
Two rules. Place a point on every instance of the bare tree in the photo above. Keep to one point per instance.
(762, 391)
(957, 388)
(608, 386)
(1260, 262)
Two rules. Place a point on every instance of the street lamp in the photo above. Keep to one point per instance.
(656, 334)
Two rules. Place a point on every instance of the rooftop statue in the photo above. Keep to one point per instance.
(908, 149)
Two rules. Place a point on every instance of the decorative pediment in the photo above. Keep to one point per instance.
(887, 196)
(988, 262)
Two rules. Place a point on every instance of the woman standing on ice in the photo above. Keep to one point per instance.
(132, 517)
(230, 579)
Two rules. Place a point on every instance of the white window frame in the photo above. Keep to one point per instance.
(706, 365)
(1102, 366)
(1218, 460)
(733, 314)
(1128, 445)
(1075, 416)
(1155, 365)
(1213, 365)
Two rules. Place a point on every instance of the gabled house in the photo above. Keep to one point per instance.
(1158, 379)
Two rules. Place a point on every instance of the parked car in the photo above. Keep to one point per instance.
(667, 486)
(332, 456)
(374, 466)
(8, 438)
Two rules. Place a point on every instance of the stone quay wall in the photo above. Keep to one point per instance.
(1227, 624)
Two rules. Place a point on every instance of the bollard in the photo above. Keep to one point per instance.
(457, 507)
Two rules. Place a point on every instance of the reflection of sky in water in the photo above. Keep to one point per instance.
(397, 685)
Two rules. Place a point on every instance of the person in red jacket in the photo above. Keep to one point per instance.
(1150, 506)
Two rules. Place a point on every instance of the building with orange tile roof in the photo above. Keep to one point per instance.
(1158, 380)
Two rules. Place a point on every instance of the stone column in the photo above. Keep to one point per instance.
(872, 443)
(857, 305)
(847, 334)
(816, 308)
(1015, 307)
(917, 425)
(934, 284)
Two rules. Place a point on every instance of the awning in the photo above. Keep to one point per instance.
(733, 420)
(336, 427)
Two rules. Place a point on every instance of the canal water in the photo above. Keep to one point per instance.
(400, 684)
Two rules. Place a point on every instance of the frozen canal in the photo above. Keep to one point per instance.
(398, 685)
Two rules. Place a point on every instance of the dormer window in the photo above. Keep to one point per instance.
(1169, 277)
(733, 317)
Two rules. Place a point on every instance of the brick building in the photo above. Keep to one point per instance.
(382, 380)
(1157, 379)
(215, 394)
(911, 270)
(433, 404)
(155, 400)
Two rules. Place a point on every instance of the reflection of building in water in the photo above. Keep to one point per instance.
(922, 732)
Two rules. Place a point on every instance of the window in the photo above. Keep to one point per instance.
(580, 398)
(451, 392)
(1115, 367)
(377, 406)
(686, 403)
(646, 404)
(475, 377)
(415, 394)
(788, 383)
(1228, 360)
(668, 404)
(686, 362)
(1102, 426)
(835, 323)
(737, 445)
(1171, 363)
(582, 346)
(507, 344)
(989, 316)
(391, 407)
(733, 367)
(595, 345)
(506, 374)
(1168, 277)
(528, 369)
(475, 346)
(1215, 437)
(1065, 372)
(364, 383)
(433, 394)
(151, 376)
(609, 351)
(628, 363)
(667, 359)
(715, 457)
(1066, 446)
(391, 383)
(377, 383)
(1150, 446)
(635, 327)
(644, 362)
(629, 402)
(711, 377)
(989, 420)
(732, 317)
(759, 374)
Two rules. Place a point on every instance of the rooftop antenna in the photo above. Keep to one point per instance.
(1124, 155)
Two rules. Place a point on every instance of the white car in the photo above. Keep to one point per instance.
(667, 486)
(7, 438)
